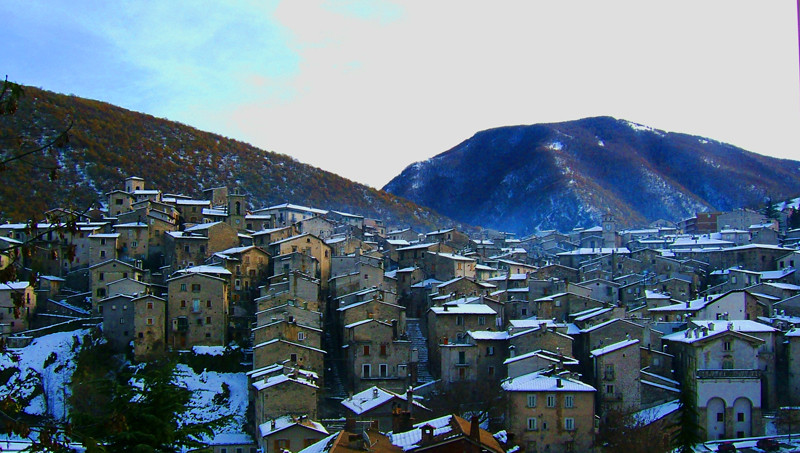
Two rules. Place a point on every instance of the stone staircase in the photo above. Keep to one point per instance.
(419, 342)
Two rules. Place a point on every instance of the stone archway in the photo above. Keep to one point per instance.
(715, 419)
(742, 417)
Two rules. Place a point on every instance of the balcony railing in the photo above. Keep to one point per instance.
(465, 363)
(728, 374)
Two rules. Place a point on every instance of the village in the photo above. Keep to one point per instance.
(358, 335)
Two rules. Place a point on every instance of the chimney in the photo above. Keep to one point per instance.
(410, 399)
(475, 428)
(394, 329)
(445, 307)
(559, 383)
(374, 392)
(427, 434)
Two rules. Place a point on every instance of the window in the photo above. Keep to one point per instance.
(569, 424)
(383, 369)
(101, 292)
(366, 370)
(531, 400)
(490, 371)
(195, 287)
(569, 401)
(208, 319)
(149, 321)
(462, 357)
(101, 276)
(551, 401)
(740, 416)
(183, 304)
(383, 350)
(366, 349)
(122, 320)
(481, 320)
(490, 350)
(183, 286)
(196, 305)
(134, 244)
(293, 358)
(524, 311)
(726, 346)
(720, 416)
(208, 303)
(532, 424)
(149, 305)
(459, 320)
(301, 336)
(609, 389)
(186, 249)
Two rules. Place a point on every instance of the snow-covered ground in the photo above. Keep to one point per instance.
(39, 374)
(204, 387)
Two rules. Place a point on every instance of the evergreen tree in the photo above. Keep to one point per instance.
(144, 414)
(687, 432)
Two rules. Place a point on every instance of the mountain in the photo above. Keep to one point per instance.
(108, 143)
(566, 175)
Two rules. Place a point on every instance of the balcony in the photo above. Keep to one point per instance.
(462, 364)
(612, 396)
(608, 376)
(728, 374)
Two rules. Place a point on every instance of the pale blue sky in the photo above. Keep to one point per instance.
(364, 88)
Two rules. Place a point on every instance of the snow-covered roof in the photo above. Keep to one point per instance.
(538, 382)
(287, 421)
(204, 269)
(488, 334)
(464, 309)
(371, 398)
(612, 347)
(14, 286)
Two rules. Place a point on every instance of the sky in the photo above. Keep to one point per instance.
(366, 88)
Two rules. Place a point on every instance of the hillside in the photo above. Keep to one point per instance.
(108, 143)
(566, 175)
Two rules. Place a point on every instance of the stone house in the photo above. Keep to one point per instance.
(721, 367)
(102, 247)
(457, 362)
(560, 306)
(290, 310)
(550, 412)
(133, 240)
(119, 201)
(309, 245)
(264, 238)
(365, 276)
(377, 354)
(616, 377)
(294, 285)
(298, 355)
(373, 309)
(288, 329)
(382, 406)
(118, 320)
(17, 306)
(289, 433)
(288, 214)
(452, 237)
(450, 323)
(280, 391)
(413, 255)
(149, 327)
(448, 266)
(197, 310)
(318, 226)
(544, 337)
(404, 234)
(538, 361)
(110, 271)
(127, 286)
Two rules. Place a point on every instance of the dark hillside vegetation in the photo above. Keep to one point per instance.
(108, 143)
